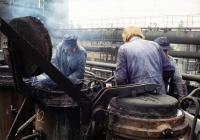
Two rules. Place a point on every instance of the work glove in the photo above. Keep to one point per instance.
(167, 75)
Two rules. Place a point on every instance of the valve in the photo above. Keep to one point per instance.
(10, 110)
(167, 132)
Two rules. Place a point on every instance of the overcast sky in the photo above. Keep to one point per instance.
(98, 9)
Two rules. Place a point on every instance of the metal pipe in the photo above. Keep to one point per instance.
(25, 125)
(177, 37)
(94, 49)
(90, 73)
(194, 91)
(100, 49)
(115, 35)
(180, 54)
(191, 77)
(109, 79)
(100, 64)
(195, 117)
(191, 118)
(31, 136)
(196, 114)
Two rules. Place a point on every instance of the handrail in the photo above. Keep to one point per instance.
(113, 67)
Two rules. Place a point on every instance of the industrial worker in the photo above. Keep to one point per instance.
(69, 58)
(176, 78)
(141, 61)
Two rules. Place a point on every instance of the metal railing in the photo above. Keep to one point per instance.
(168, 21)
(111, 68)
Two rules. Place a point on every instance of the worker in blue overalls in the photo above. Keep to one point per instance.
(176, 79)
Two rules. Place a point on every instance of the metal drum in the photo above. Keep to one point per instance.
(57, 117)
(10, 102)
(152, 117)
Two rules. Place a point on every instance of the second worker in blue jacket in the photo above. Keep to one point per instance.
(176, 79)
(68, 58)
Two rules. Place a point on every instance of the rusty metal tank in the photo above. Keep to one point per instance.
(10, 102)
(152, 117)
(58, 117)
(36, 34)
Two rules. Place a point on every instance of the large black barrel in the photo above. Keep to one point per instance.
(145, 117)
(58, 117)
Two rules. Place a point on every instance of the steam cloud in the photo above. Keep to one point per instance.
(54, 14)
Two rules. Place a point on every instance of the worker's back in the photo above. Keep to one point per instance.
(144, 62)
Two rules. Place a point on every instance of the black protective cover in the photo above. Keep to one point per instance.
(145, 105)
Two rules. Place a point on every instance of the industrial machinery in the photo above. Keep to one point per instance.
(66, 111)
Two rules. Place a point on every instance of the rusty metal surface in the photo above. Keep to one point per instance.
(61, 101)
(8, 97)
(56, 98)
(32, 30)
(10, 100)
(146, 117)
(139, 128)
(58, 123)
(25, 110)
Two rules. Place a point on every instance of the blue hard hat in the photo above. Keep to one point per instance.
(163, 42)
(69, 42)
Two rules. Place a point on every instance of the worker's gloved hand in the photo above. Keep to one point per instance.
(78, 82)
(167, 75)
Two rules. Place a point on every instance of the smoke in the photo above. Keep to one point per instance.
(54, 14)
(19, 8)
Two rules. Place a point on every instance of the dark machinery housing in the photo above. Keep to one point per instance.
(131, 112)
